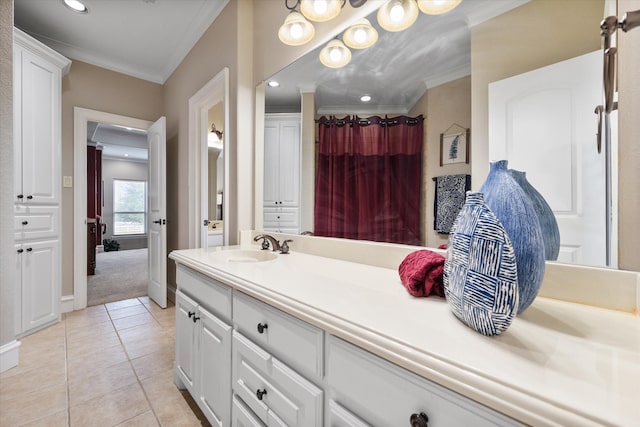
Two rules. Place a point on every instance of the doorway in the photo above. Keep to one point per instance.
(117, 244)
(82, 117)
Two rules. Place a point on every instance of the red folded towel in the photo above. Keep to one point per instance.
(421, 273)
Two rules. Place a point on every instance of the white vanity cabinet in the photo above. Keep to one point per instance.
(203, 343)
(364, 389)
(37, 83)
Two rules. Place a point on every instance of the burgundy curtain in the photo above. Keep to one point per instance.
(369, 177)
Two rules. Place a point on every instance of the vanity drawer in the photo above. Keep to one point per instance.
(36, 222)
(286, 217)
(273, 391)
(293, 341)
(242, 416)
(380, 393)
(341, 417)
(209, 293)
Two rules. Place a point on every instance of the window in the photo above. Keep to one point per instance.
(129, 207)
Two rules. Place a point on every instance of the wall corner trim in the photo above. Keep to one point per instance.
(66, 303)
(9, 355)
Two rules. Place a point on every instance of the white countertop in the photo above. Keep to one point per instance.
(559, 363)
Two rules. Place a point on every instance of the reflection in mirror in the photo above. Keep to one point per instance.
(441, 67)
(215, 181)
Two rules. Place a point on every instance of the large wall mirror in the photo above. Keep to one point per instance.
(446, 68)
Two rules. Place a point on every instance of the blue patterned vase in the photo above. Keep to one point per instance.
(480, 274)
(516, 213)
(548, 222)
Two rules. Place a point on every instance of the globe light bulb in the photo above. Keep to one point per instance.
(397, 12)
(296, 31)
(360, 35)
(335, 54)
(320, 6)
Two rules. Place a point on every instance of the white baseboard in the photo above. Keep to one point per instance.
(9, 355)
(66, 303)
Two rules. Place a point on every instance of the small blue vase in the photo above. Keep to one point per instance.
(548, 222)
(480, 274)
(516, 213)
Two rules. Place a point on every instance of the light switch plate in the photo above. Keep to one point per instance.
(67, 181)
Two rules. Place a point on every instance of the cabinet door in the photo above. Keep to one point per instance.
(271, 164)
(186, 340)
(242, 416)
(40, 130)
(214, 375)
(17, 119)
(40, 284)
(289, 170)
(17, 290)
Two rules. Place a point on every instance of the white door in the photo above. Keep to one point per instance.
(156, 138)
(543, 123)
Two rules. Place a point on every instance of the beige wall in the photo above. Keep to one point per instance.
(96, 88)
(629, 142)
(7, 254)
(443, 106)
(539, 33)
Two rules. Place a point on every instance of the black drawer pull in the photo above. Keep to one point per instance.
(29, 197)
(29, 249)
(191, 314)
(25, 222)
(419, 420)
(195, 318)
(20, 196)
(262, 327)
(20, 251)
(261, 393)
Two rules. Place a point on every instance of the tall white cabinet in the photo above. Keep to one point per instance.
(282, 173)
(37, 105)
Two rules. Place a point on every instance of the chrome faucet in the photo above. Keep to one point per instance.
(265, 242)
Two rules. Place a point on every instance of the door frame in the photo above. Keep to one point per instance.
(81, 116)
(214, 91)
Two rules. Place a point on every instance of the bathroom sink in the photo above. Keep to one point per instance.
(247, 255)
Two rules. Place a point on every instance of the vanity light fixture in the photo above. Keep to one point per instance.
(296, 30)
(437, 7)
(321, 10)
(398, 15)
(365, 98)
(360, 35)
(76, 5)
(335, 54)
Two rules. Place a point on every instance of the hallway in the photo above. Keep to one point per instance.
(107, 365)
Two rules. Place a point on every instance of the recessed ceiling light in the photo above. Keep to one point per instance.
(273, 83)
(365, 98)
(126, 154)
(76, 6)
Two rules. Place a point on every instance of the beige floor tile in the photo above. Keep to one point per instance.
(59, 419)
(153, 363)
(144, 299)
(36, 358)
(87, 317)
(33, 406)
(143, 347)
(136, 320)
(143, 420)
(141, 332)
(168, 403)
(84, 345)
(102, 382)
(121, 304)
(127, 311)
(94, 329)
(31, 381)
(112, 409)
(85, 367)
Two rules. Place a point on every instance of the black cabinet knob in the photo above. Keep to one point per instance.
(191, 314)
(260, 393)
(20, 251)
(262, 327)
(29, 197)
(419, 420)
(195, 319)
(20, 196)
(25, 222)
(29, 249)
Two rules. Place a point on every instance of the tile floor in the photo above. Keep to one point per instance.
(107, 365)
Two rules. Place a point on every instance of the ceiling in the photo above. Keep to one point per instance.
(147, 39)
(395, 72)
(118, 142)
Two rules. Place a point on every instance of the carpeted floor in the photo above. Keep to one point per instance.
(119, 275)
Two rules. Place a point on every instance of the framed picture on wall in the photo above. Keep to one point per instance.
(454, 147)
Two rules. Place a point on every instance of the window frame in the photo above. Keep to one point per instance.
(144, 212)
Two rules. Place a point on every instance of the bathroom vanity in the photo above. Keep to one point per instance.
(303, 339)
